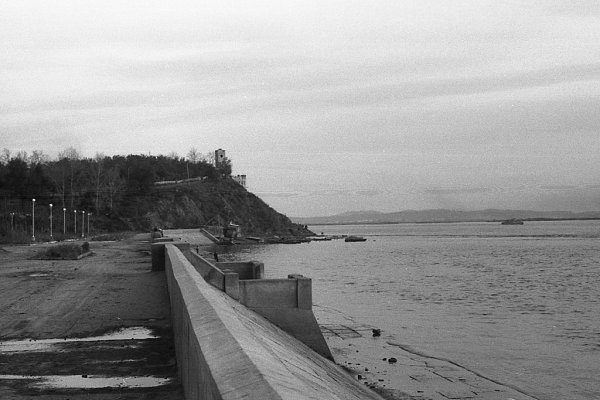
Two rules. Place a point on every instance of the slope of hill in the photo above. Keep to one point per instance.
(207, 202)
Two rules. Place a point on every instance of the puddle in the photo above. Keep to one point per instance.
(89, 382)
(134, 333)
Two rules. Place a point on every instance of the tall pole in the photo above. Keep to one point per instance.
(89, 215)
(33, 219)
(12, 221)
(82, 224)
(64, 221)
(50, 221)
(75, 224)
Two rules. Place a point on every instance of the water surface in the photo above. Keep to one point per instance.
(519, 304)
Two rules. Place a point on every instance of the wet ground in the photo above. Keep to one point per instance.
(399, 372)
(95, 328)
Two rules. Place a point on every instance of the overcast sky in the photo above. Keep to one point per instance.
(326, 106)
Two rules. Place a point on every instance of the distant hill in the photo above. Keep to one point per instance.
(441, 215)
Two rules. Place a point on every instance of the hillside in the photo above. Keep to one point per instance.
(126, 193)
(211, 202)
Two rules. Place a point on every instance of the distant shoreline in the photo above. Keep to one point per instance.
(448, 222)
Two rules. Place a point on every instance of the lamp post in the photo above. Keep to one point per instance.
(12, 221)
(50, 221)
(33, 219)
(75, 224)
(83, 224)
(64, 221)
(89, 215)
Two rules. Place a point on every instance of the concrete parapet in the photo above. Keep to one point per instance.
(303, 291)
(210, 272)
(246, 270)
(161, 239)
(285, 302)
(288, 304)
(225, 351)
(280, 293)
(158, 252)
(232, 284)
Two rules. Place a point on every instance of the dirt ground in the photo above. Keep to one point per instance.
(111, 289)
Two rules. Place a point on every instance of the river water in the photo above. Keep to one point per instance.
(519, 304)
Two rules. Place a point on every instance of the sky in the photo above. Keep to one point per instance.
(326, 106)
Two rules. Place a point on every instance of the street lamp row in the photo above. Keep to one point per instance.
(64, 221)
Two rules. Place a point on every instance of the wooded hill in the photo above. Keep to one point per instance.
(121, 193)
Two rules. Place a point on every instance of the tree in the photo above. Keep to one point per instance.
(5, 156)
(38, 157)
(96, 171)
(22, 155)
(224, 167)
(72, 157)
(209, 158)
(58, 172)
(37, 183)
(194, 155)
(113, 181)
(17, 176)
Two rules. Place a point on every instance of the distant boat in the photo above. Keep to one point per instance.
(291, 240)
(512, 221)
(320, 238)
(352, 238)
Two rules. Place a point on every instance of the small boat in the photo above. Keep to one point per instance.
(512, 221)
(353, 238)
(319, 238)
(290, 240)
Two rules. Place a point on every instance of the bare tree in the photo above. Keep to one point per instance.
(194, 155)
(96, 171)
(22, 155)
(58, 172)
(38, 157)
(72, 157)
(114, 183)
(5, 156)
(209, 158)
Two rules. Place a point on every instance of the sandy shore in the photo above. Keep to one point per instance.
(110, 290)
(399, 372)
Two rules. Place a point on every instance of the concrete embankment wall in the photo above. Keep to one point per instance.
(226, 351)
(285, 302)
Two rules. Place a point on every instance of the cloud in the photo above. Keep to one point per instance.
(454, 191)
(580, 8)
(558, 187)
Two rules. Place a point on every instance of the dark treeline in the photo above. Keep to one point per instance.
(102, 185)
